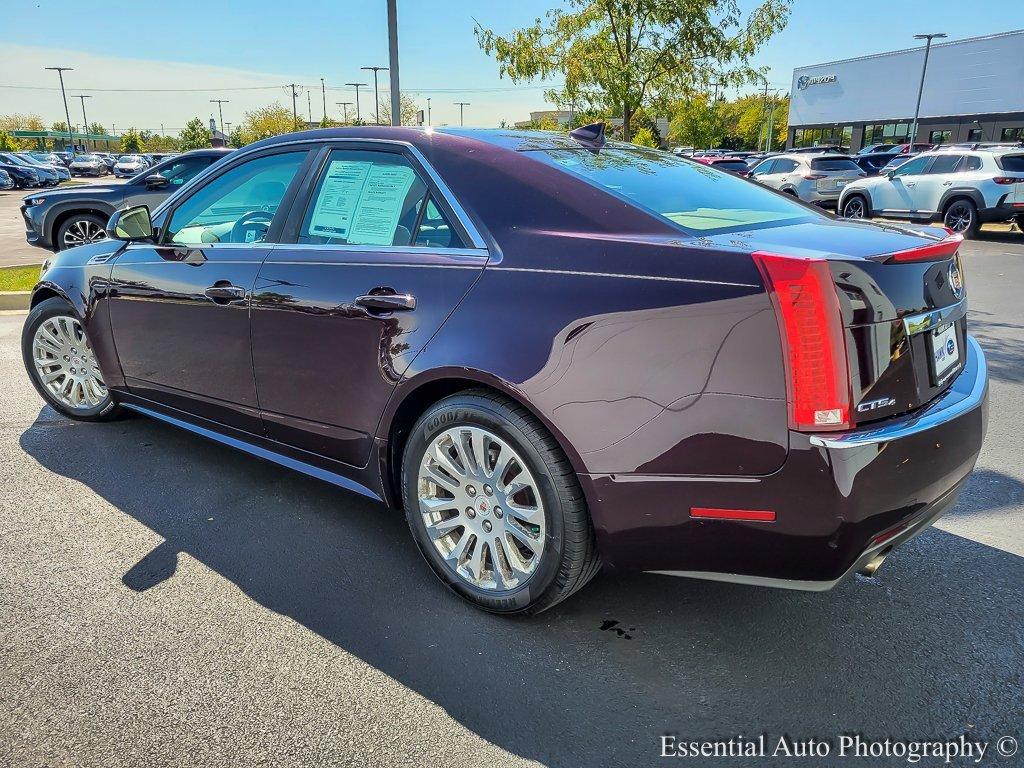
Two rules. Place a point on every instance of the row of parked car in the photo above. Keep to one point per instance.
(961, 185)
(29, 170)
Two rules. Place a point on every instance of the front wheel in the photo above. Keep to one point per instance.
(61, 363)
(494, 505)
(962, 217)
(80, 229)
(855, 208)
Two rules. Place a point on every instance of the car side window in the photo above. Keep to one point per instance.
(763, 168)
(238, 206)
(180, 171)
(912, 167)
(945, 164)
(784, 165)
(971, 163)
(434, 229)
(365, 197)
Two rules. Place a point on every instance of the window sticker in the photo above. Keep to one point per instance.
(380, 206)
(339, 195)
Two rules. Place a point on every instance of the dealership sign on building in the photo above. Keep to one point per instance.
(804, 81)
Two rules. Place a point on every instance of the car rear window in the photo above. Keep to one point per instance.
(698, 198)
(732, 165)
(1013, 163)
(833, 164)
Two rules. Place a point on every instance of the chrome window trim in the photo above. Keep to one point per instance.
(934, 318)
(417, 250)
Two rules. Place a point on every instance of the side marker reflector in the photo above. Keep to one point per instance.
(711, 513)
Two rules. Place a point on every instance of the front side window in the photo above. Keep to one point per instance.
(763, 168)
(912, 167)
(238, 206)
(698, 198)
(373, 198)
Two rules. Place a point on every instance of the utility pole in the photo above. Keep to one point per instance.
(771, 118)
(309, 106)
(357, 87)
(344, 105)
(714, 112)
(67, 113)
(323, 92)
(428, 110)
(461, 105)
(376, 98)
(85, 121)
(295, 113)
(396, 94)
(220, 110)
(920, 89)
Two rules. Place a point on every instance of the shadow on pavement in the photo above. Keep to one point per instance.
(1003, 344)
(930, 648)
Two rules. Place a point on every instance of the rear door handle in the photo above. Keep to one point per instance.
(911, 183)
(222, 292)
(387, 302)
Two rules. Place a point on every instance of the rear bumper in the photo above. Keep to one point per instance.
(840, 500)
(1003, 212)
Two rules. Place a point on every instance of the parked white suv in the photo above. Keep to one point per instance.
(814, 178)
(963, 189)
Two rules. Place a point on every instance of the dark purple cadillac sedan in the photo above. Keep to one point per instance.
(553, 352)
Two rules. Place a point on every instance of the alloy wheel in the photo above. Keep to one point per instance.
(959, 217)
(481, 508)
(854, 208)
(83, 231)
(66, 365)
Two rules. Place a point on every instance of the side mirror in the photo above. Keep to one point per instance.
(131, 225)
(891, 173)
(156, 181)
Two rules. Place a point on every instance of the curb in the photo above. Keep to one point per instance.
(15, 300)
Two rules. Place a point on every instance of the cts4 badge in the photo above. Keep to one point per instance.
(874, 405)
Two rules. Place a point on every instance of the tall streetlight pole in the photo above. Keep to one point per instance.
(428, 110)
(920, 89)
(85, 120)
(396, 94)
(220, 110)
(376, 98)
(357, 86)
(67, 113)
(323, 92)
(344, 106)
(461, 105)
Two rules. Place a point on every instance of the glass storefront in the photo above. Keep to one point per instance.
(833, 135)
(939, 137)
(886, 133)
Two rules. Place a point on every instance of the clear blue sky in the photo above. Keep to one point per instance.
(307, 40)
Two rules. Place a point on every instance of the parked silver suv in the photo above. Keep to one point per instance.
(814, 178)
(963, 189)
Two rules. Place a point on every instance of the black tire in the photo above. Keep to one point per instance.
(960, 211)
(71, 221)
(106, 410)
(1019, 221)
(850, 205)
(569, 559)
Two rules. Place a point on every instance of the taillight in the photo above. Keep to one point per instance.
(813, 340)
(931, 252)
(814, 176)
(1008, 180)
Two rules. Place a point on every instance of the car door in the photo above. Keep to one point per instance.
(376, 259)
(894, 192)
(762, 172)
(785, 173)
(173, 175)
(939, 176)
(179, 308)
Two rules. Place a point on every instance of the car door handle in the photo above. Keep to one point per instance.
(222, 292)
(910, 183)
(387, 302)
(947, 183)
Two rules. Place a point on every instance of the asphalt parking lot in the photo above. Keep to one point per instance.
(165, 600)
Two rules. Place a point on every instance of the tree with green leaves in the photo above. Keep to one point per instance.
(195, 135)
(97, 128)
(409, 110)
(131, 142)
(628, 54)
(263, 123)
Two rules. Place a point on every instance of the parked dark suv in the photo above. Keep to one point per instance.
(61, 219)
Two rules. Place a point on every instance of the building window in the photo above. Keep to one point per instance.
(974, 134)
(939, 137)
(840, 135)
(1013, 134)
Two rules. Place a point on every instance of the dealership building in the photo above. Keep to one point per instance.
(973, 91)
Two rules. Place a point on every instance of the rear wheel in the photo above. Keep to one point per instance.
(1019, 221)
(855, 207)
(494, 505)
(961, 216)
(63, 368)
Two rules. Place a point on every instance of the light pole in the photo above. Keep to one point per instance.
(357, 86)
(396, 93)
(428, 110)
(344, 106)
(376, 98)
(220, 110)
(920, 90)
(461, 105)
(85, 121)
(323, 92)
(67, 113)
(714, 113)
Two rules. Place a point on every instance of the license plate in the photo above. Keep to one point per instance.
(945, 353)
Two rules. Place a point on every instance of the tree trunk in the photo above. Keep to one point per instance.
(627, 119)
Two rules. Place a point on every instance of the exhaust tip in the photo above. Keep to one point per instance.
(871, 566)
